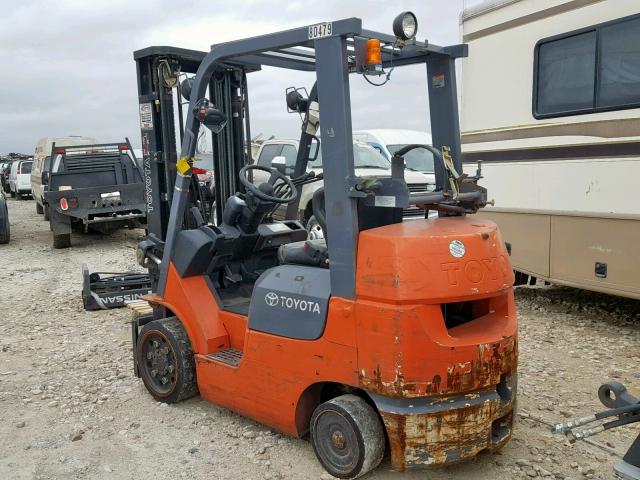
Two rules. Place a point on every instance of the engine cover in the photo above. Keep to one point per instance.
(291, 301)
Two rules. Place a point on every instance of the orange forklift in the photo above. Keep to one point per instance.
(383, 336)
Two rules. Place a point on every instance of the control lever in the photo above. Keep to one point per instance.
(452, 173)
(197, 216)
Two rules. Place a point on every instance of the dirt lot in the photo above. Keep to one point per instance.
(70, 407)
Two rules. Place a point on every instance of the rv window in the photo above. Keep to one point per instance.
(590, 70)
(566, 74)
(619, 76)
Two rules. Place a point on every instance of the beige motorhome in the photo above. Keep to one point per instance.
(551, 105)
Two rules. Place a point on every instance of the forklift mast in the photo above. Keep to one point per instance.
(159, 72)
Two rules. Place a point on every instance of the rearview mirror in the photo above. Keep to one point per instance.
(209, 116)
(185, 88)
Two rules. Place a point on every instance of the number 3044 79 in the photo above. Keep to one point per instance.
(320, 30)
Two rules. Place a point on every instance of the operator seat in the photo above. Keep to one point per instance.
(313, 253)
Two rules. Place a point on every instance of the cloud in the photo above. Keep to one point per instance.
(69, 69)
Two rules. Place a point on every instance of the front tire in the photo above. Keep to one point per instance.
(39, 209)
(347, 436)
(166, 362)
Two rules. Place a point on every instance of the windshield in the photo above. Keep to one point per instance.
(364, 156)
(418, 159)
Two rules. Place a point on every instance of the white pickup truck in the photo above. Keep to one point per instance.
(367, 161)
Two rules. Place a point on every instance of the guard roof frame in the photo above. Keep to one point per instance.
(328, 56)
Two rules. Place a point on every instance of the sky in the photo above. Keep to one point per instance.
(68, 65)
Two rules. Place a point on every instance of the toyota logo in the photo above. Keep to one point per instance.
(271, 299)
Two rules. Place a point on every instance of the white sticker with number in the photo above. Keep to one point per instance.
(384, 201)
(320, 30)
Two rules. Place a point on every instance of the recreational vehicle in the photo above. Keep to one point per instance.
(551, 106)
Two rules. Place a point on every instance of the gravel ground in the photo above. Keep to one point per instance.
(70, 407)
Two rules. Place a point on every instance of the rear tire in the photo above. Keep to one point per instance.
(62, 241)
(166, 362)
(347, 436)
(39, 209)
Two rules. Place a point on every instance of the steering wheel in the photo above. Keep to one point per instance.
(290, 193)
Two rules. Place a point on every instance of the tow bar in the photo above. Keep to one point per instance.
(104, 290)
(626, 408)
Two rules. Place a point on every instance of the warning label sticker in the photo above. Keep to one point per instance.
(146, 116)
(437, 80)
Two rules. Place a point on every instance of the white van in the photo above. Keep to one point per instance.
(19, 178)
(389, 140)
(42, 162)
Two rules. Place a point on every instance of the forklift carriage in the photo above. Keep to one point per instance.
(404, 328)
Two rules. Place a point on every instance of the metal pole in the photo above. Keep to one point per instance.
(443, 109)
(337, 158)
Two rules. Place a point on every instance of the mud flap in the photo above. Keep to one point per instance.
(136, 324)
(60, 224)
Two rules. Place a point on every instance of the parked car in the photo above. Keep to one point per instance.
(42, 164)
(5, 170)
(93, 186)
(4, 219)
(368, 162)
(20, 178)
(389, 141)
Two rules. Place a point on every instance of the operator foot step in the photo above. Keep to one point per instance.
(230, 356)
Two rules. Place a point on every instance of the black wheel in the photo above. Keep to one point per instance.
(13, 194)
(166, 361)
(347, 436)
(46, 212)
(39, 209)
(5, 233)
(62, 241)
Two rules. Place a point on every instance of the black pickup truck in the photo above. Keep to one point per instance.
(93, 186)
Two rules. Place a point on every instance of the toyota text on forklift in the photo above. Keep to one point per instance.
(384, 329)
